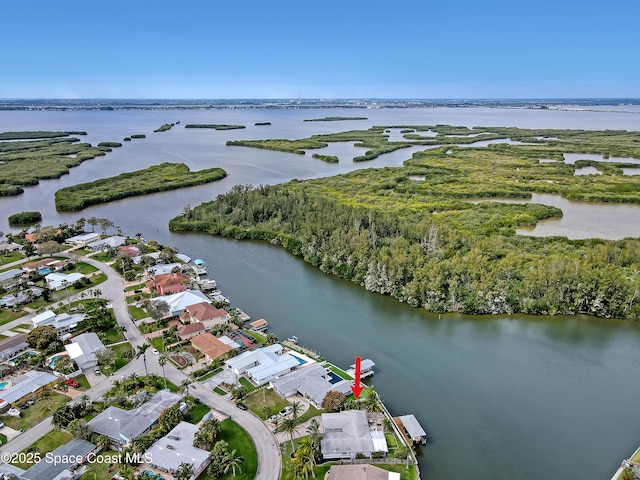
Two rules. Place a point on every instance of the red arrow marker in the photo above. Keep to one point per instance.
(357, 388)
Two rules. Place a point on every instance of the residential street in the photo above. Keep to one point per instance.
(269, 460)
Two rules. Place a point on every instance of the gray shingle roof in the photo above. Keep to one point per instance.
(46, 470)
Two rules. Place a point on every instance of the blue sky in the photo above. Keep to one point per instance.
(328, 49)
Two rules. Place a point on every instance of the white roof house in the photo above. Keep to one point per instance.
(114, 242)
(347, 434)
(83, 239)
(30, 382)
(9, 276)
(263, 364)
(62, 322)
(312, 382)
(178, 302)
(176, 447)
(83, 350)
(163, 268)
(57, 281)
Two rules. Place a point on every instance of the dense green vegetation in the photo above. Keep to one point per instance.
(138, 135)
(158, 178)
(334, 119)
(25, 218)
(110, 144)
(164, 127)
(39, 156)
(214, 126)
(31, 135)
(416, 232)
(326, 158)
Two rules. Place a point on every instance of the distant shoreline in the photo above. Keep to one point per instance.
(302, 104)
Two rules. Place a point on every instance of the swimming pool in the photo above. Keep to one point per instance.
(300, 360)
(333, 378)
(4, 385)
(52, 362)
(45, 271)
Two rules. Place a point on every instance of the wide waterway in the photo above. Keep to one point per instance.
(501, 397)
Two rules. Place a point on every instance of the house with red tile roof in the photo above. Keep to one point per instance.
(169, 283)
(206, 314)
(210, 346)
(129, 250)
(190, 330)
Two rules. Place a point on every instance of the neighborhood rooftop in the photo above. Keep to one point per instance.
(30, 382)
(312, 382)
(175, 448)
(53, 470)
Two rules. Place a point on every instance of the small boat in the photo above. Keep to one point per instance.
(293, 339)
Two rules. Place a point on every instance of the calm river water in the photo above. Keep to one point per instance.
(501, 397)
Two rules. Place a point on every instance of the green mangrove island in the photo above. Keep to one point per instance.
(25, 218)
(214, 126)
(158, 178)
(40, 155)
(417, 233)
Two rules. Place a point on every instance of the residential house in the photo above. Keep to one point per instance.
(20, 298)
(263, 364)
(312, 382)
(210, 346)
(178, 302)
(25, 386)
(164, 268)
(176, 447)
(205, 313)
(110, 242)
(60, 281)
(83, 350)
(190, 330)
(67, 458)
(168, 283)
(123, 426)
(11, 346)
(347, 434)
(63, 322)
(132, 251)
(10, 277)
(38, 264)
(359, 472)
(9, 247)
(83, 239)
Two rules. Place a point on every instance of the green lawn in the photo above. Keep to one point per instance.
(3, 439)
(2, 337)
(99, 469)
(157, 343)
(309, 414)
(220, 391)
(26, 326)
(84, 268)
(102, 257)
(120, 360)
(405, 473)
(341, 373)
(7, 315)
(247, 384)
(84, 383)
(392, 442)
(209, 375)
(48, 443)
(113, 335)
(137, 313)
(259, 337)
(42, 408)
(138, 286)
(10, 258)
(198, 411)
(264, 398)
(241, 442)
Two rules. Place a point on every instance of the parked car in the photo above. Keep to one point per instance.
(155, 352)
(72, 383)
(242, 406)
(97, 371)
(274, 418)
(286, 410)
(1, 424)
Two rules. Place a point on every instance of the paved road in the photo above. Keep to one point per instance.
(269, 459)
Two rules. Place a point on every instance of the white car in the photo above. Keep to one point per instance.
(155, 352)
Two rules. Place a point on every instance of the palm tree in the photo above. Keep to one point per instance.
(290, 426)
(128, 473)
(296, 408)
(162, 360)
(271, 339)
(184, 386)
(103, 442)
(184, 471)
(372, 401)
(306, 455)
(142, 352)
(232, 461)
(314, 434)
